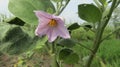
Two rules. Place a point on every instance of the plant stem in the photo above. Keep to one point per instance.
(54, 61)
(84, 46)
(53, 55)
(99, 33)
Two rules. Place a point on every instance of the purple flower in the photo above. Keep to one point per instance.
(50, 25)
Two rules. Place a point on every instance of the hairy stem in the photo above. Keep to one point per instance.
(99, 33)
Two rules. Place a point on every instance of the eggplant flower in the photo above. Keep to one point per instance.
(50, 25)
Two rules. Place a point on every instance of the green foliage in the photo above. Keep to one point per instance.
(57, 0)
(68, 56)
(89, 13)
(24, 9)
(13, 40)
(3, 30)
(87, 26)
(16, 21)
(16, 40)
(66, 43)
(72, 59)
(82, 34)
(73, 26)
(64, 53)
(107, 31)
(103, 2)
(110, 53)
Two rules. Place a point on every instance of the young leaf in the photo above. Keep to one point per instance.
(89, 13)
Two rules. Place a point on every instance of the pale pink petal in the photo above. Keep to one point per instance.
(41, 30)
(63, 32)
(42, 15)
(43, 22)
(58, 18)
(52, 34)
(42, 27)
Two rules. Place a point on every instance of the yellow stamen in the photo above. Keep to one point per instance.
(52, 23)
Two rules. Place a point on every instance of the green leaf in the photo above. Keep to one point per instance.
(68, 56)
(23, 9)
(14, 41)
(66, 43)
(16, 21)
(74, 26)
(3, 30)
(64, 53)
(72, 59)
(89, 13)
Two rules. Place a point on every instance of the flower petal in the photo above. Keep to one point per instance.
(41, 15)
(52, 34)
(41, 30)
(63, 32)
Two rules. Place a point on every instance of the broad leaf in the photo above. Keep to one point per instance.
(64, 53)
(89, 13)
(24, 9)
(13, 40)
(68, 56)
(72, 59)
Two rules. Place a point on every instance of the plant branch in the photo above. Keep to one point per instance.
(99, 33)
(110, 34)
(84, 46)
(110, 13)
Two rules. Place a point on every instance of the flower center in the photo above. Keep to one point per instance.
(52, 23)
